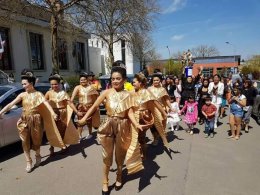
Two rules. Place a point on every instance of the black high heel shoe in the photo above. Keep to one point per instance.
(117, 188)
(105, 192)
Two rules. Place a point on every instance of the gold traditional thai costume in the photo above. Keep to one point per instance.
(35, 116)
(147, 113)
(59, 103)
(116, 132)
(87, 97)
(161, 96)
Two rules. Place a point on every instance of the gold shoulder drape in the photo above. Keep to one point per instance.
(60, 99)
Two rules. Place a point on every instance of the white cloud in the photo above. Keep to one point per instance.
(175, 5)
(177, 37)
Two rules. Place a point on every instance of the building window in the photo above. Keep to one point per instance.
(80, 49)
(92, 43)
(62, 54)
(5, 55)
(123, 50)
(97, 43)
(223, 71)
(36, 44)
(102, 44)
(207, 72)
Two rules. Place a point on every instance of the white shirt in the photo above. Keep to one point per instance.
(176, 93)
(216, 99)
(175, 106)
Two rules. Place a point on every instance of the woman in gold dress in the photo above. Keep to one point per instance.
(87, 95)
(30, 126)
(163, 98)
(147, 111)
(62, 106)
(115, 132)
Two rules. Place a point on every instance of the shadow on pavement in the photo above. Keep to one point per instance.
(171, 136)
(72, 150)
(10, 151)
(151, 167)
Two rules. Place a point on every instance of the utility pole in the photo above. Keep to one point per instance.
(169, 59)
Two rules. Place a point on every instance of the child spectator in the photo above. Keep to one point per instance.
(191, 113)
(173, 116)
(209, 111)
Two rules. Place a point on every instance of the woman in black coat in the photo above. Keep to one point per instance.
(188, 86)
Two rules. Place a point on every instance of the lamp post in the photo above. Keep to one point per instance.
(234, 49)
(169, 59)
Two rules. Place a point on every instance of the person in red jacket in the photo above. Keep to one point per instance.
(209, 110)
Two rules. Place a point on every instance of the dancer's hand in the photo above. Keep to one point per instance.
(140, 127)
(81, 122)
(80, 114)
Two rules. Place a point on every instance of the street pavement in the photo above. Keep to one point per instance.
(199, 166)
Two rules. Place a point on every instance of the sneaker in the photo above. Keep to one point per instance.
(215, 126)
(191, 132)
(246, 129)
(211, 135)
(206, 136)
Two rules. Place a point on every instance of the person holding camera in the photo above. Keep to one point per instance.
(237, 102)
(250, 92)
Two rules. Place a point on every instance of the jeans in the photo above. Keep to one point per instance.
(209, 126)
(217, 113)
(247, 114)
(236, 110)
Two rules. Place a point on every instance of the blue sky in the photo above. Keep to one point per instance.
(184, 24)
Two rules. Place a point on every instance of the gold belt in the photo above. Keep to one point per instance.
(30, 112)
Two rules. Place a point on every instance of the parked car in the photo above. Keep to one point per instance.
(8, 129)
(256, 107)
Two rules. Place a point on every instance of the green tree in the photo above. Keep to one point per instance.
(252, 66)
(173, 67)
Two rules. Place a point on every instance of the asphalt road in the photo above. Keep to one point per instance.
(199, 166)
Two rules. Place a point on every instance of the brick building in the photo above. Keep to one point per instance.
(217, 65)
(211, 65)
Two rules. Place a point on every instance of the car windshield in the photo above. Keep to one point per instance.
(3, 90)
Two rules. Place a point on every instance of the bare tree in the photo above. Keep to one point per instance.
(142, 47)
(56, 8)
(115, 20)
(47, 10)
(204, 51)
